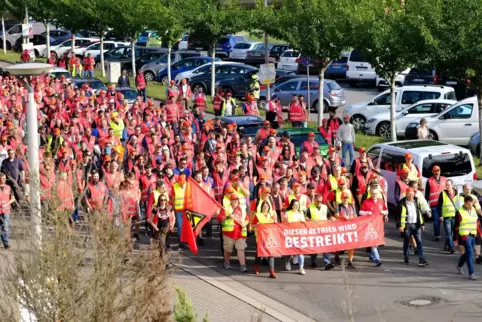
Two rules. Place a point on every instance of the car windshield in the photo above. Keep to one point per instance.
(451, 165)
(333, 86)
(145, 34)
(58, 74)
(249, 130)
(290, 53)
(129, 94)
(96, 85)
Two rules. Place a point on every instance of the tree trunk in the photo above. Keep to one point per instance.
(72, 48)
(133, 46)
(169, 49)
(3, 37)
(393, 108)
(47, 36)
(321, 85)
(479, 99)
(102, 54)
(213, 74)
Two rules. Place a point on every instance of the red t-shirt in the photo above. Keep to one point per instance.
(376, 208)
(236, 233)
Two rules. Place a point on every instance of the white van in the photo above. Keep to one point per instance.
(358, 69)
(455, 163)
(14, 31)
(455, 125)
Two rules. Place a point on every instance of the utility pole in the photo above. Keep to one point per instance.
(266, 58)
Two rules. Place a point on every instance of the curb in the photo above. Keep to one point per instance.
(242, 292)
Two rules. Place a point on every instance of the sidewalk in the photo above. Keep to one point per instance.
(226, 299)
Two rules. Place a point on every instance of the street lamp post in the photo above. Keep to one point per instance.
(22, 72)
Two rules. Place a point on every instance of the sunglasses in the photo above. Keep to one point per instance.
(163, 199)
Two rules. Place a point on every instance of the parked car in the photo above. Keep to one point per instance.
(227, 43)
(61, 48)
(130, 94)
(298, 135)
(94, 49)
(240, 50)
(13, 31)
(200, 70)
(123, 55)
(474, 144)
(59, 34)
(288, 60)
(379, 124)
(358, 69)
(183, 44)
(405, 96)
(94, 83)
(333, 94)
(233, 77)
(247, 125)
(39, 44)
(223, 48)
(256, 57)
(336, 70)
(455, 125)
(59, 71)
(455, 163)
(144, 37)
(181, 66)
(151, 69)
(382, 84)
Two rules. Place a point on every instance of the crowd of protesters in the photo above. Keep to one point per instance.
(98, 150)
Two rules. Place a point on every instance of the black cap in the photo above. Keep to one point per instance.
(296, 157)
(159, 161)
(286, 134)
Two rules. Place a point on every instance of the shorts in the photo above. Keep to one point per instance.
(229, 243)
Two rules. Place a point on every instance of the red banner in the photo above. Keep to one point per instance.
(320, 237)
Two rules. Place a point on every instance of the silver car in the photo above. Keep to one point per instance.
(240, 50)
(474, 144)
(333, 94)
(150, 70)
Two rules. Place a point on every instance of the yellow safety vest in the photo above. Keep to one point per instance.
(403, 219)
(333, 182)
(448, 206)
(262, 219)
(258, 208)
(302, 201)
(256, 91)
(468, 224)
(295, 216)
(338, 193)
(318, 214)
(156, 197)
(413, 173)
(118, 128)
(179, 196)
(228, 225)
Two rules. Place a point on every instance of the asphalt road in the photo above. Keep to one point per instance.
(371, 293)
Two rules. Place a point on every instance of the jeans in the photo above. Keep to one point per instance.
(297, 124)
(344, 148)
(374, 253)
(301, 260)
(449, 231)
(89, 73)
(4, 223)
(326, 258)
(436, 221)
(179, 215)
(469, 254)
(142, 93)
(415, 231)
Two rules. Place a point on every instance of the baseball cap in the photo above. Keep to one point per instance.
(311, 134)
(346, 117)
(266, 122)
(362, 150)
(263, 158)
(345, 194)
(233, 196)
(408, 155)
(273, 132)
(341, 181)
(404, 171)
(331, 149)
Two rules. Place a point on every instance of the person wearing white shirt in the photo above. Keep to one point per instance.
(346, 135)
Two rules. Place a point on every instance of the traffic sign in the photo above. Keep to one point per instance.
(267, 74)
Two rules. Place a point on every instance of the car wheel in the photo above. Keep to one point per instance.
(149, 76)
(433, 135)
(165, 80)
(326, 107)
(262, 103)
(477, 151)
(358, 122)
(384, 130)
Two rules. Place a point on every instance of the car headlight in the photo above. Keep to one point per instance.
(348, 108)
(412, 125)
(371, 120)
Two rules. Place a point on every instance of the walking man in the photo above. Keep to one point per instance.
(6, 199)
(346, 135)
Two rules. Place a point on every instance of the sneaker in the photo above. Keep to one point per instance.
(329, 266)
(302, 271)
(460, 271)
(478, 260)
(371, 259)
(243, 269)
(136, 237)
(350, 265)
(406, 261)
(446, 248)
(472, 277)
(437, 238)
(7, 246)
(452, 250)
(415, 251)
(337, 260)
(422, 262)
(314, 265)
(272, 274)
(227, 265)
(287, 267)
(378, 263)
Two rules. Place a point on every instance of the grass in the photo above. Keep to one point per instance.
(257, 35)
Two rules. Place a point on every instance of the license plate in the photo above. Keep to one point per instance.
(286, 66)
(451, 83)
(336, 66)
(418, 80)
(361, 68)
(219, 49)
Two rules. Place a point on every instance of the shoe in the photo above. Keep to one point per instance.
(314, 265)
(437, 238)
(227, 265)
(350, 265)
(136, 237)
(243, 269)
(415, 251)
(7, 246)
(337, 260)
(422, 262)
(272, 274)
(452, 250)
(329, 266)
(256, 269)
(478, 260)
(378, 263)
(371, 259)
(446, 248)
(287, 267)
(460, 271)
(472, 277)
(302, 271)
(406, 261)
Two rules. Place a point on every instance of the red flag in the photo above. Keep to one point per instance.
(187, 235)
(200, 206)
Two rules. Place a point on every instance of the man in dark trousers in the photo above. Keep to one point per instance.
(123, 80)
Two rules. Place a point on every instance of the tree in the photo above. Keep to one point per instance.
(169, 25)
(3, 11)
(316, 28)
(458, 35)
(393, 35)
(210, 20)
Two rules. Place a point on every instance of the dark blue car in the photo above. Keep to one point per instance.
(227, 43)
(184, 65)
